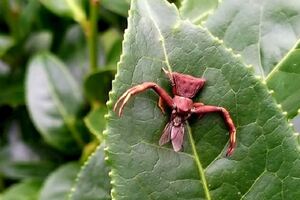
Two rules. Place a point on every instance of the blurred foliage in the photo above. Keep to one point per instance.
(57, 61)
(49, 93)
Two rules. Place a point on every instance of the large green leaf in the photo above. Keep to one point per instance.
(261, 31)
(264, 33)
(284, 81)
(59, 183)
(92, 181)
(197, 10)
(266, 161)
(53, 100)
(27, 190)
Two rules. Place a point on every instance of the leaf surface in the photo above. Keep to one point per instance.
(92, 181)
(27, 190)
(53, 99)
(266, 146)
(261, 31)
(58, 184)
(118, 6)
(197, 10)
(267, 34)
(284, 81)
(95, 121)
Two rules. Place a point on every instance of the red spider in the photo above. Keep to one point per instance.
(185, 87)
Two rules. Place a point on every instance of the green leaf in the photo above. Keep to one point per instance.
(59, 183)
(261, 31)
(120, 7)
(6, 42)
(284, 81)
(67, 8)
(53, 100)
(197, 10)
(27, 190)
(96, 122)
(12, 92)
(39, 41)
(97, 85)
(265, 164)
(112, 45)
(74, 52)
(20, 158)
(92, 181)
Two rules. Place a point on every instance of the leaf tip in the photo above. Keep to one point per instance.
(271, 91)
(279, 106)
(284, 113)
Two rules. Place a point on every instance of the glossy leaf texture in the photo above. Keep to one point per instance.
(284, 81)
(261, 31)
(59, 183)
(92, 181)
(197, 10)
(27, 190)
(53, 100)
(266, 161)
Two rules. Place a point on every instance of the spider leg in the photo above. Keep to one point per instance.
(161, 105)
(138, 89)
(232, 131)
(198, 104)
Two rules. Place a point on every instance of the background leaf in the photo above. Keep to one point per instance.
(93, 181)
(6, 42)
(197, 10)
(53, 100)
(64, 7)
(120, 7)
(287, 93)
(28, 190)
(267, 146)
(58, 184)
(95, 121)
(256, 29)
(97, 86)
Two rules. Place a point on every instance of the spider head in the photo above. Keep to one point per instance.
(185, 85)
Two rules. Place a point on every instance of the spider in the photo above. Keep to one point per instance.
(184, 88)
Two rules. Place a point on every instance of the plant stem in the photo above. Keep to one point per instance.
(93, 34)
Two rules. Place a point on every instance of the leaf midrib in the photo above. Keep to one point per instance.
(195, 154)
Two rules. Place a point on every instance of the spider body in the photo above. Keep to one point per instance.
(184, 88)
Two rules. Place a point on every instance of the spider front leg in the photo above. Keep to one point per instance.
(140, 88)
(202, 109)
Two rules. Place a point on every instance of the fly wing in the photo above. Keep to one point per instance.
(177, 134)
(166, 136)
